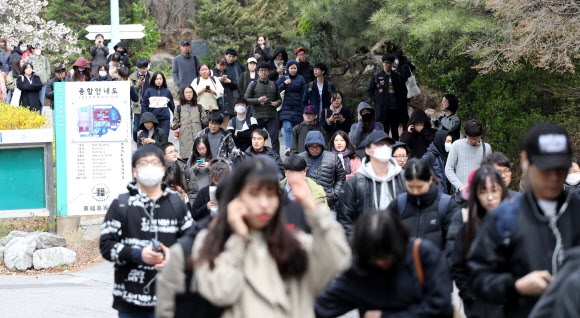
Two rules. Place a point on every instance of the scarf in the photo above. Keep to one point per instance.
(345, 159)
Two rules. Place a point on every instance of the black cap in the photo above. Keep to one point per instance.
(59, 68)
(231, 52)
(548, 146)
(184, 42)
(376, 136)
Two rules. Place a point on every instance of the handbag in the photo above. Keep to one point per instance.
(412, 88)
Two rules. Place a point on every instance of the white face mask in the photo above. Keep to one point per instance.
(447, 146)
(573, 178)
(38, 51)
(149, 175)
(81, 70)
(102, 73)
(23, 48)
(240, 109)
(383, 153)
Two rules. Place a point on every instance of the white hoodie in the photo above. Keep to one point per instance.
(381, 203)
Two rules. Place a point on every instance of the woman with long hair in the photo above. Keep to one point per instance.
(158, 100)
(486, 191)
(436, 156)
(340, 144)
(204, 202)
(199, 161)
(229, 84)
(30, 85)
(392, 274)
(175, 180)
(208, 89)
(337, 117)
(102, 74)
(250, 261)
(187, 119)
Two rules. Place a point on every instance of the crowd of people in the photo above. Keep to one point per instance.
(385, 211)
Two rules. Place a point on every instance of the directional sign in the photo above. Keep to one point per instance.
(122, 35)
(122, 28)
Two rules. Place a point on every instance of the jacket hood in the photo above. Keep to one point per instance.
(381, 201)
(290, 63)
(82, 62)
(367, 170)
(314, 137)
(16, 49)
(266, 44)
(417, 116)
(363, 105)
(280, 49)
(147, 116)
(121, 44)
(439, 143)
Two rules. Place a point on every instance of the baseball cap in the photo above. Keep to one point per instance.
(376, 136)
(184, 42)
(252, 60)
(310, 110)
(548, 146)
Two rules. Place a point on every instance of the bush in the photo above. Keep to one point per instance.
(20, 118)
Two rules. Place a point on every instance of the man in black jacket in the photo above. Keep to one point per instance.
(304, 67)
(59, 71)
(376, 183)
(521, 243)
(388, 91)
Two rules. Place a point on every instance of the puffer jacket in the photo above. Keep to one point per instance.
(228, 150)
(422, 218)
(159, 135)
(5, 58)
(436, 156)
(292, 105)
(273, 75)
(159, 101)
(268, 89)
(418, 141)
(328, 172)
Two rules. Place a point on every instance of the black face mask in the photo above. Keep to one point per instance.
(121, 52)
(367, 117)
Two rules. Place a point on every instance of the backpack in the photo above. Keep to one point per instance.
(329, 88)
(442, 207)
(186, 172)
(234, 121)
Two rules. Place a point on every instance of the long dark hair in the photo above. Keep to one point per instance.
(284, 247)
(417, 169)
(195, 155)
(174, 176)
(476, 211)
(349, 146)
(183, 101)
(152, 81)
(378, 234)
(16, 69)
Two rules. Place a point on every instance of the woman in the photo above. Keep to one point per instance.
(204, 203)
(187, 119)
(426, 212)
(102, 75)
(337, 117)
(158, 100)
(30, 86)
(250, 261)
(363, 127)
(486, 191)
(81, 71)
(11, 81)
(419, 134)
(293, 86)
(385, 277)
(199, 161)
(208, 90)
(4, 56)
(436, 156)
(229, 87)
(174, 179)
(401, 153)
(261, 51)
(114, 65)
(340, 144)
(573, 177)
(450, 121)
(3, 82)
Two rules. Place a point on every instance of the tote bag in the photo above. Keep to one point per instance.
(412, 88)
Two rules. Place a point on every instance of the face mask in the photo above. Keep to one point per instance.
(447, 146)
(573, 178)
(121, 52)
(102, 73)
(240, 109)
(81, 70)
(38, 52)
(367, 117)
(149, 175)
(383, 153)
(23, 48)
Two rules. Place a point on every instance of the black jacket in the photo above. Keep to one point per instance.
(50, 88)
(422, 217)
(243, 140)
(30, 91)
(396, 292)
(199, 209)
(419, 141)
(159, 135)
(307, 71)
(273, 75)
(267, 151)
(331, 126)
(377, 92)
(124, 58)
(502, 253)
(126, 231)
(328, 173)
(229, 89)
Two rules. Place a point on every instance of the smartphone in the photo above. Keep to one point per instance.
(156, 246)
(336, 115)
(141, 76)
(199, 161)
(207, 88)
(224, 76)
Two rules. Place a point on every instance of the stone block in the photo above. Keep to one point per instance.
(12, 235)
(18, 253)
(52, 257)
(2, 255)
(47, 240)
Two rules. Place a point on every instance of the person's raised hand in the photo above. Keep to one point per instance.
(411, 128)
(301, 191)
(373, 314)
(149, 256)
(236, 210)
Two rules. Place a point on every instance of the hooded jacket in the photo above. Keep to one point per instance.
(328, 172)
(265, 54)
(126, 230)
(159, 135)
(366, 192)
(16, 53)
(418, 141)
(358, 132)
(437, 157)
(273, 75)
(159, 101)
(292, 103)
(124, 58)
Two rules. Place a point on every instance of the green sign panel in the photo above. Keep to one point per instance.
(22, 179)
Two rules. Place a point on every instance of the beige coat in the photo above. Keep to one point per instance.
(190, 125)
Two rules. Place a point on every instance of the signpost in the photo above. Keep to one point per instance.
(126, 31)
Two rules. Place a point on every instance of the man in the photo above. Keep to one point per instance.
(304, 67)
(503, 165)
(300, 131)
(220, 140)
(150, 211)
(324, 167)
(388, 91)
(99, 52)
(466, 155)
(121, 48)
(172, 155)
(521, 243)
(259, 148)
(140, 81)
(295, 164)
(264, 97)
(185, 67)
(234, 68)
(242, 125)
(318, 92)
(376, 183)
(59, 72)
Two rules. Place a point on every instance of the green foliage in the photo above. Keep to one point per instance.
(144, 47)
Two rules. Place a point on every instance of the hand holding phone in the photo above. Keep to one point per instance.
(157, 247)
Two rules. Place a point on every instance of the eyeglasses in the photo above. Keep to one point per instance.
(505, 172)
(263, 70)
(143, 163)
(211, 123)
(171, 151)
(401, 157)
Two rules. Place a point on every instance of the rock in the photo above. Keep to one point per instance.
(4, 241)
(2, 255)
(18, 253)
(161, 60)
(47, 240)
(52, 257)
